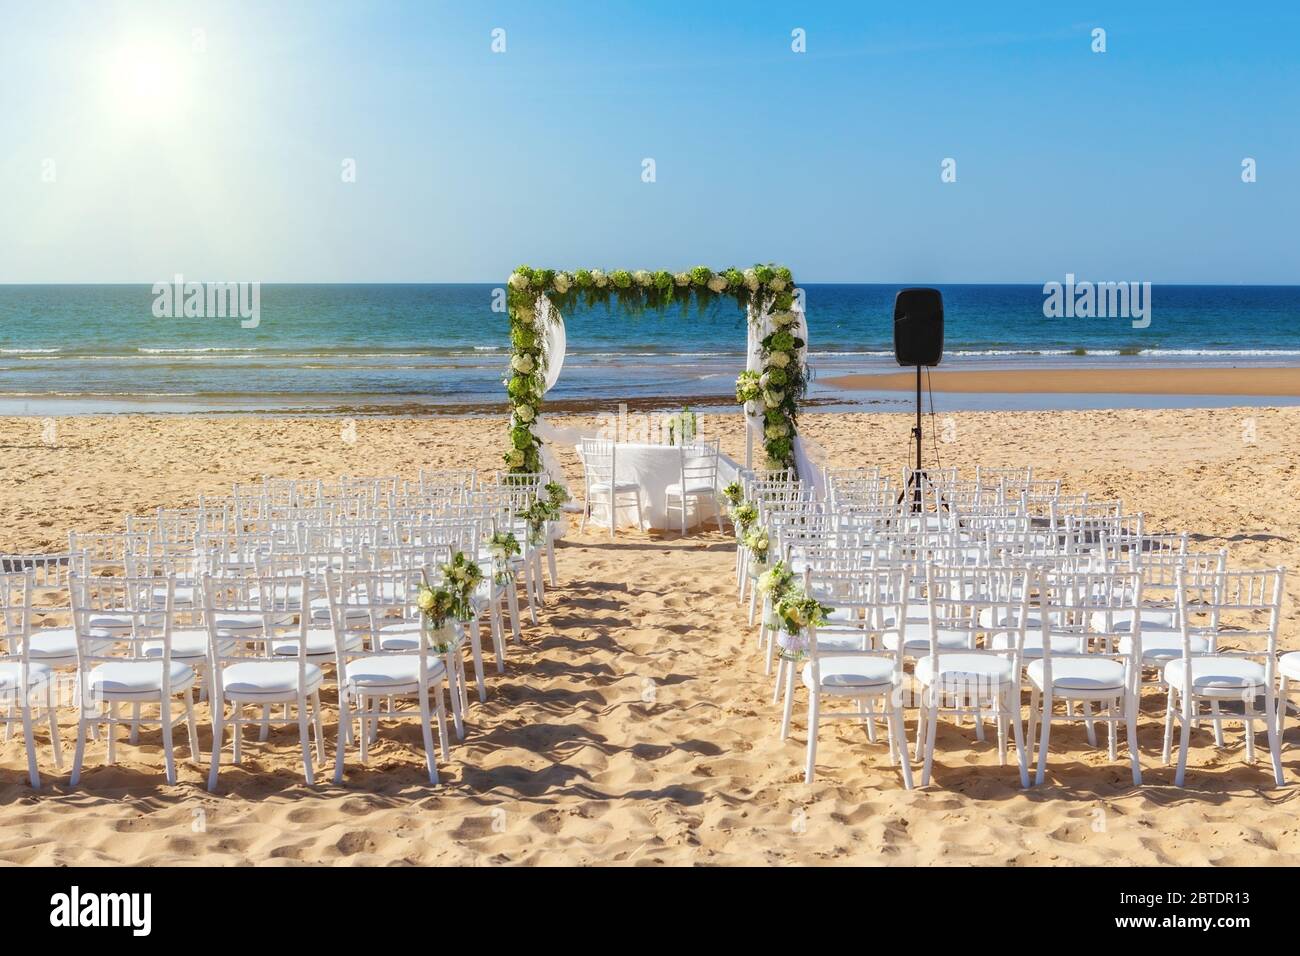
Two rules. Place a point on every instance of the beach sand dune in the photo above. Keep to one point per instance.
(634, 725)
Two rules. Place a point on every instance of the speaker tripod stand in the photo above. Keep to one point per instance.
(919, 477)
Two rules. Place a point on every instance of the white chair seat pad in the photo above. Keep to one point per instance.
(60, 643)
(320, 643)
(11, 673)
(139, 677)
(917, 637)
(838, 673)
(958, 668)
(1216, 676)
(395, 670)
(692, 488)
(1121, 622)
(1163, 645)
(1086, 673)
(249, 621)
(1289, 664)
(267, 679)
(187, 645)
(1061, 643)
(602, 487)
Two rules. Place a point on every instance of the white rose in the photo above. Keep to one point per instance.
(682, 278)
(525, 413)
(561, 282)
(642, 278)
(751, 280)
(599, 278)
(718, 284)
(522, 364)
(777, 284)
(526, 315)
(782, 318)
(518, 281)
(779, 359)
(773, 399)
(515, 459)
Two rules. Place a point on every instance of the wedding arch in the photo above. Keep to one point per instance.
(770, 388)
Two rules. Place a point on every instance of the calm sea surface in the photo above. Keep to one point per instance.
(83, 348)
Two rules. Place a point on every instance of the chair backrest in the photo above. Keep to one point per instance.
(871, 600)
(698, 463)
(1229, 605)
(16, 589)
(956, 594)
(271, 602)
(49, 574)
(599, 456)
(365, 603)
(136, 612)
(1084, 610)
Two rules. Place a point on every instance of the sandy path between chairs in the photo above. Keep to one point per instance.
(634, 724)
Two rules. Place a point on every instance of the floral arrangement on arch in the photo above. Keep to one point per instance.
(759, 290)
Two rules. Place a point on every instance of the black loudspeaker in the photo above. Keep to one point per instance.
(918, 327)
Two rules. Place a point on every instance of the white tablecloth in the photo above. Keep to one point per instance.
(653, 468)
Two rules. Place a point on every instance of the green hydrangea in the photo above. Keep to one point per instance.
(701, 275)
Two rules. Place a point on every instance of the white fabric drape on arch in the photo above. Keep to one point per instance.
(809, 458)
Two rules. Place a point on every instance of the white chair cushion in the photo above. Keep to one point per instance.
(918, 637)
(842, 673)
(60, 643)
(1122, 621)
(11, 672)
(267, 679)
(404, 636)
(139, 677)
(249, 621)
(1163, 645)
(692, 488)
(395, 670)
(958, 668)
(602, 487)
(1289, 664)
(1061, 643)
(846, 639)
(1079, 673)
(320, 643)
(187, 645)
(1216, 676)
(181, 594)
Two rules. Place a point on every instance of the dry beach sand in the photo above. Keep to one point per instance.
(634, 725)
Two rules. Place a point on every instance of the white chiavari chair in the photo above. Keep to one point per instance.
(26, 686)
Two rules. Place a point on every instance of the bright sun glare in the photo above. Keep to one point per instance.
(147, 80)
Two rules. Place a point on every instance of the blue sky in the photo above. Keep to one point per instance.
(135, 148)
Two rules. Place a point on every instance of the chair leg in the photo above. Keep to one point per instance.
(441, 711)
(80, 750)
(345, 721)
(898, 732)
(1218, 724)
(1281, 708)
(1130, 719)
(550, 560)
(1022, 752)
(111, 731)
(457, 718)
(476, 652)
(52, 715)
(135, 723)
(1274, 748)
(1046, 721)
(1032, 728)
(426, 730)
(512, 604)
(813, 710)
(789, 700)
(319, 725)
(169, 759)
(304, 740)
(1169, 727)
(25, 707)
(1111, 729)
(363, 706)
(1184, 738)
(192, 728)
(931, 723)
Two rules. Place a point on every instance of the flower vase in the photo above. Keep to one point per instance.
(440, 637)
(793, 646)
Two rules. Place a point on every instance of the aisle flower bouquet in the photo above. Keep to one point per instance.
(538, 514)
(795, 613)
(742, 516)
(733, 493)
(437, 607)
(502, 546)
(463, 576)
(757, 541)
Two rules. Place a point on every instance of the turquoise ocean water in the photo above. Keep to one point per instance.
(84, 348)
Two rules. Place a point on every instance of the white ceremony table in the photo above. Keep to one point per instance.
(653, 468)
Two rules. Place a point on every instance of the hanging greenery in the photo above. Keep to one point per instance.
(760, 290)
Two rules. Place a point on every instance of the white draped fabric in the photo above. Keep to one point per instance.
(809, 457)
